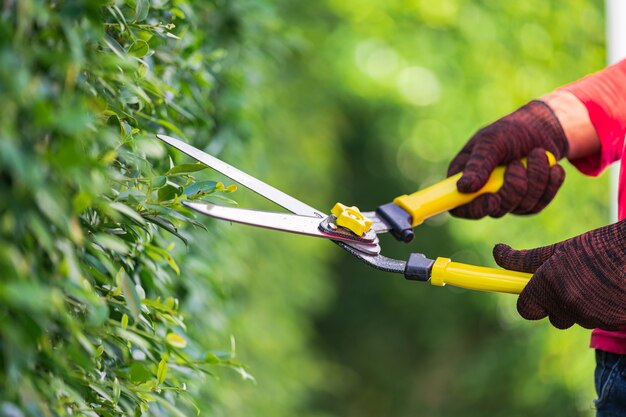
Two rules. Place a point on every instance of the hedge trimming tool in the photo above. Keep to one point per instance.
(357, 231)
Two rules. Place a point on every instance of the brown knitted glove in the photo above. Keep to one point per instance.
(527, 132)
(581, 280)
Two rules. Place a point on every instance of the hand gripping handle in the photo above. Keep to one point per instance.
(481, 278)
(444, 195)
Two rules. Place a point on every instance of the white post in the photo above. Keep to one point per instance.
(616, 50)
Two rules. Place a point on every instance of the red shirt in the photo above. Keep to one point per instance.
(604, 96)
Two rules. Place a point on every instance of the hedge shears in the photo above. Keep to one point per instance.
(357, 231)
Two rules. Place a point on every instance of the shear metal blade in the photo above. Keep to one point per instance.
(285, 222)
(379, 225)
(282, 199)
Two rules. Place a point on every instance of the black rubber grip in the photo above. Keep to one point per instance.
(399, 220)
(418, 267)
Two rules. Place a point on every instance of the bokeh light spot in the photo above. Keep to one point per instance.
(419, 86)
(376, 59)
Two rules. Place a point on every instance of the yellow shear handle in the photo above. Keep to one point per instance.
(481, 278)
(444, 195)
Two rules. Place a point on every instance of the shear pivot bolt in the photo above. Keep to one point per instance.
(351, 218)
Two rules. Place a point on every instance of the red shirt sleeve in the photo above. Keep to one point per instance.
(604, 96)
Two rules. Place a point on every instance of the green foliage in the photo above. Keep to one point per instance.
(92, 208)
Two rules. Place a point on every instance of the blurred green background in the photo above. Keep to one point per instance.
(357, 102)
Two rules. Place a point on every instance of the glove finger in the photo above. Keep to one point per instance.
(528, 260)
(485, 156)
(606, 318)
(460, 160)
(536, 301)
(592, 324)
(561, 322)
(482, 206)
(458, 163)
(513, 189)
(599, 324)
(529, 304)
(557, 176)
(538, 171)
(530, 310)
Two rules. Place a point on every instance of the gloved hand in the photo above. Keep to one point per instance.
(527, 132)
(580, 280)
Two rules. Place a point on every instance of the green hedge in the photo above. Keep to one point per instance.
(91, 212)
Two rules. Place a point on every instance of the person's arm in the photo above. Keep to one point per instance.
(527, 133)
(581, 280)
(574, 118)
(584, 121)
(578, 281)
(603, 95)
